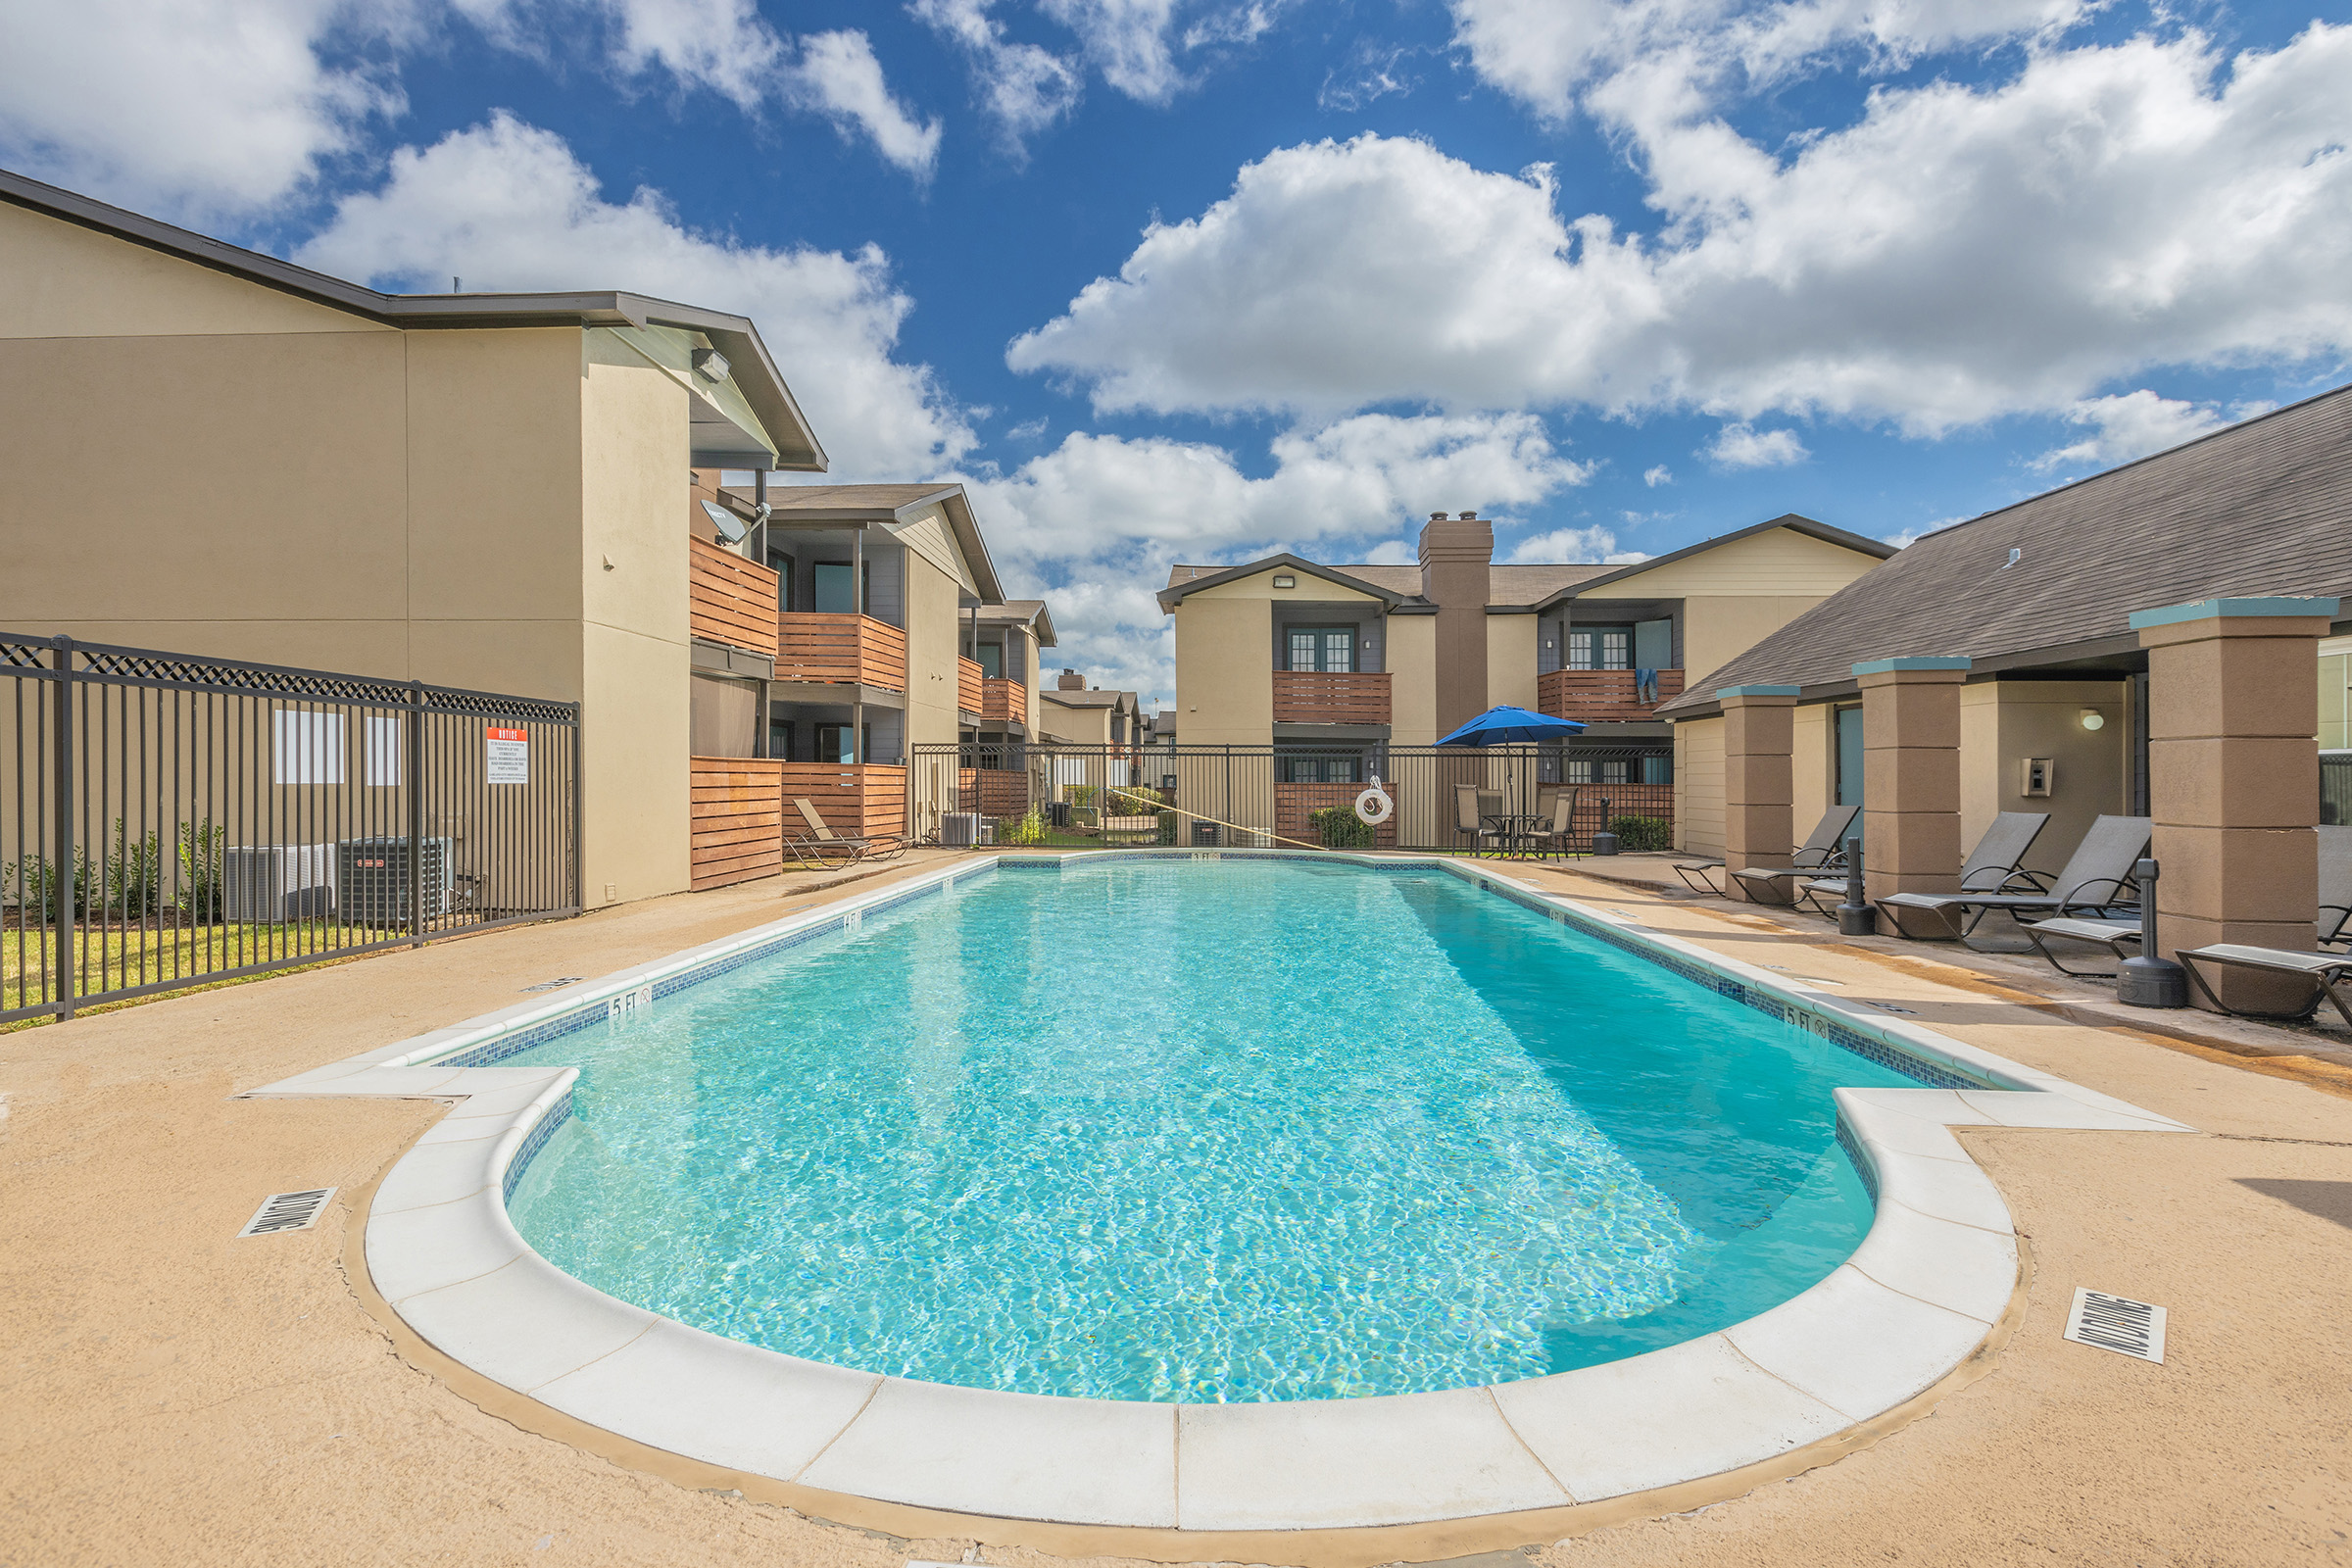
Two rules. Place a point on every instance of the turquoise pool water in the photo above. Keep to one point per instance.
(1211, 1130)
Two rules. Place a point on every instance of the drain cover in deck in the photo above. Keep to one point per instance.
(2117, 1323)
(288, 1211)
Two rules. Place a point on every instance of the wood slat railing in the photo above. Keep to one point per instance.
(729, 599)
(967, 684)
(1310, 696)
(1600, 694)
(840, 649)
(853, 798)
(737, 815)
(1004, 702)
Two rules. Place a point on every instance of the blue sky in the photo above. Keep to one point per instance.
(1192, 280)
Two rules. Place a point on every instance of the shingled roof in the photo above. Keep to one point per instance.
(2262, 508)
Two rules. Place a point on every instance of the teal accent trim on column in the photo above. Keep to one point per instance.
(2206, 608)
(1759, 690)
(1882, 666)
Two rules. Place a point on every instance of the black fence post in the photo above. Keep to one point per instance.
(414, 768)
(63, 884)
(579, 831)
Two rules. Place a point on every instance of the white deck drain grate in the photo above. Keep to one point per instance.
(288, 1211)
(556, 985)
(2117, 1323)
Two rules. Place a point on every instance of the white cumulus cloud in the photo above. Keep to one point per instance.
(838, 76)
(1655, 478)
(1023, 88)
(1741, 446)
(2131, 425)
(186, 108)
(1956, 254)
(1580, 545)
(509, 207)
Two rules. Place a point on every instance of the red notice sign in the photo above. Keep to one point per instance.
(505, 757)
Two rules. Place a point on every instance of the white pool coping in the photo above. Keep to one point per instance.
(1926, 1285)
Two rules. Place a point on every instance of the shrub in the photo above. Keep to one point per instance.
(134, 874)
(1340, 828)
(1643, 832)
(1167, 828)
(201, 854)
(1030, 830)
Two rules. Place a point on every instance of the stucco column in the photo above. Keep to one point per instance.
(1758, 732)
(1911, 774)
(2234, 777)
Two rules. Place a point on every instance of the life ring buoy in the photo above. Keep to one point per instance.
(1374, 807)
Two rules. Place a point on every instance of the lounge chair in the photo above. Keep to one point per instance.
(2093, 882)
(1825, 850)
(1990, 868)
(1471, 805)
(2329, 974)
(812, 848)
(2112, 935)
(1694, 875)
(1558, 836)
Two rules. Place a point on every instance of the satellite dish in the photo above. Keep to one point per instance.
(730, 527)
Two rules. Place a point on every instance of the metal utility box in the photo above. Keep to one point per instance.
(1205, 835)
(270, 884)
(960, 830)
(373, 878)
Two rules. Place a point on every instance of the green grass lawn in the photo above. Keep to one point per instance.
(114, 959)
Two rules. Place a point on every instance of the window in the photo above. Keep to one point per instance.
(992, 660)
(779, 740)
(1329, 649)
(1600, 647)
(781, 565)
(833, 581)
(833, 744)
(1322, 769)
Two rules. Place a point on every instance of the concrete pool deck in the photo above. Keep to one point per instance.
(176, 1395)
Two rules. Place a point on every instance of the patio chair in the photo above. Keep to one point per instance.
(2092, 883)
(2112, 935)
(2329, 974)
(1558, 835)
(1471, 805)
(812, 848)
(1990, 868)
(1823, 850)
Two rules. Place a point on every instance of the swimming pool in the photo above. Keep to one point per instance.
(1202, 1131)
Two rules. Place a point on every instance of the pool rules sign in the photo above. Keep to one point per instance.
(506, 757)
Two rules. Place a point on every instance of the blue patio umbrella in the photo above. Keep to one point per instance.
(1512, 727)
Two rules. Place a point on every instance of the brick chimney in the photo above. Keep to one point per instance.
(1071, 681)
(1455, 555)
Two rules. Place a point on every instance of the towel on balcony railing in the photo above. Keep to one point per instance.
(1645, 685)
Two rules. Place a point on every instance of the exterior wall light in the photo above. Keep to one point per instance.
(711, 364)
(2092, 719)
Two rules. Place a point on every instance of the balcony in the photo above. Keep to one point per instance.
(1601, 696)
(1310, 696)
(849, 797)
(729, 599)
(841, 650)
(1004, 702)
(967, 685)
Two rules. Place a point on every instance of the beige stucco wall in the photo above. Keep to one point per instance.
(1413, 660)
(1698, 786)
(2335, 694)
(1075, 726)
(1225, 669)
(318, 490)
(1738, 593)
(1812, 765)
(2004, 722)
(934, 643)
(1511, 660)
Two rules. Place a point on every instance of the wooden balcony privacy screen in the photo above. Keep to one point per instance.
(1005, 701)
(730, 600)
(1310, 696)
(840, 649)
(738, 814)
(1600, 694)
(967, 685)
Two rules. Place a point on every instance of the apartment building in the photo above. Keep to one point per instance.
(474, 490)
(1324, 662)
(2168, 639)
(1075, 714)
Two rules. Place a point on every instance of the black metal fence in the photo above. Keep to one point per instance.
(2335, 789)
(1260, 796)
(168, 820)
